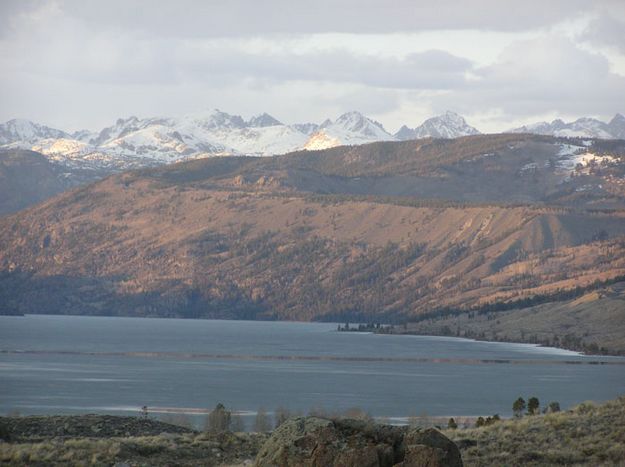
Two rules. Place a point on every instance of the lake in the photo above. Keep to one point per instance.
(70, 364)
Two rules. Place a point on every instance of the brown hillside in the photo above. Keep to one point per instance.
(144, 244)
(592, 322)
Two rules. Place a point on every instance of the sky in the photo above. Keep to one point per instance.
(82, 64)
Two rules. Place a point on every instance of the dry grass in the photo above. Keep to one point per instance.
(589, 434)
(595, 320)
(166, 449)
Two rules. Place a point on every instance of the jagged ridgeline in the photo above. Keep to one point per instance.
(382, 232)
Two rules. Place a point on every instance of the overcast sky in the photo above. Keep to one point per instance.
(82, 64)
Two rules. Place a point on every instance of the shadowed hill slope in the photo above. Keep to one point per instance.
(26, 178)
(517, 169)
(134, 245)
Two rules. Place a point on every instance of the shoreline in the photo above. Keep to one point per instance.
(389, 330)
(378, 329)
(574, 352)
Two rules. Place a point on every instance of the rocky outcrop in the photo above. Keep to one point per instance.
(318, 442)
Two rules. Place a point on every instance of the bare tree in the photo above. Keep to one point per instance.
(218, 420)
(236, 423)
(262, 423)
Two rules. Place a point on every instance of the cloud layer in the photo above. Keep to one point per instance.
(79, 64)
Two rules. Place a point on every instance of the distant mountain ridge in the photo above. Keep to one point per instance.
(137, 142)
(584, 127)
(144, 142)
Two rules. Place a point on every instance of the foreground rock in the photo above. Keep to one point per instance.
(318, 442)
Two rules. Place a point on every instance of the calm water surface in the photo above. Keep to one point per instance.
(67, 364)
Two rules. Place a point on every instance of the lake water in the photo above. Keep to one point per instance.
(68, 364)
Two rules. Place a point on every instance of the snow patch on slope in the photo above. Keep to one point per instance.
(571, 156)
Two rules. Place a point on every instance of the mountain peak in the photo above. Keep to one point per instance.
(405, 133)
(447, 125)
(263, 120)
(306, 128)
(351, 117)
(617, 118)
(215, 118)
(350, 128)
(358, 123)
(125, 121)
(453, 118)
(617, 126)
(19, 130)
(583, 127)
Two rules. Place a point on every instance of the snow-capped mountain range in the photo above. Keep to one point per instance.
(133, 142)
(582, 127)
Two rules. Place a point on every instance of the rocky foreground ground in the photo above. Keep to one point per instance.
(301, 441)
(589, 434)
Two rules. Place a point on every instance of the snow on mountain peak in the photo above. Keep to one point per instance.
(350, 128)
(25, 131)
(617, 126)
(582, 127)
(306, 128)
(137, 142)
(262, 120)
(215, 119)
(356, 122)
(326, 123)
(447, 125)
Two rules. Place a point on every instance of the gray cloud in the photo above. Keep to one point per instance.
(427, 70)
(128, 59)
(83, 64)
(606, 30)
(217, 18)
(546, 75)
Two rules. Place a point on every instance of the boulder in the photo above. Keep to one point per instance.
(430, 448)
(320, 442)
